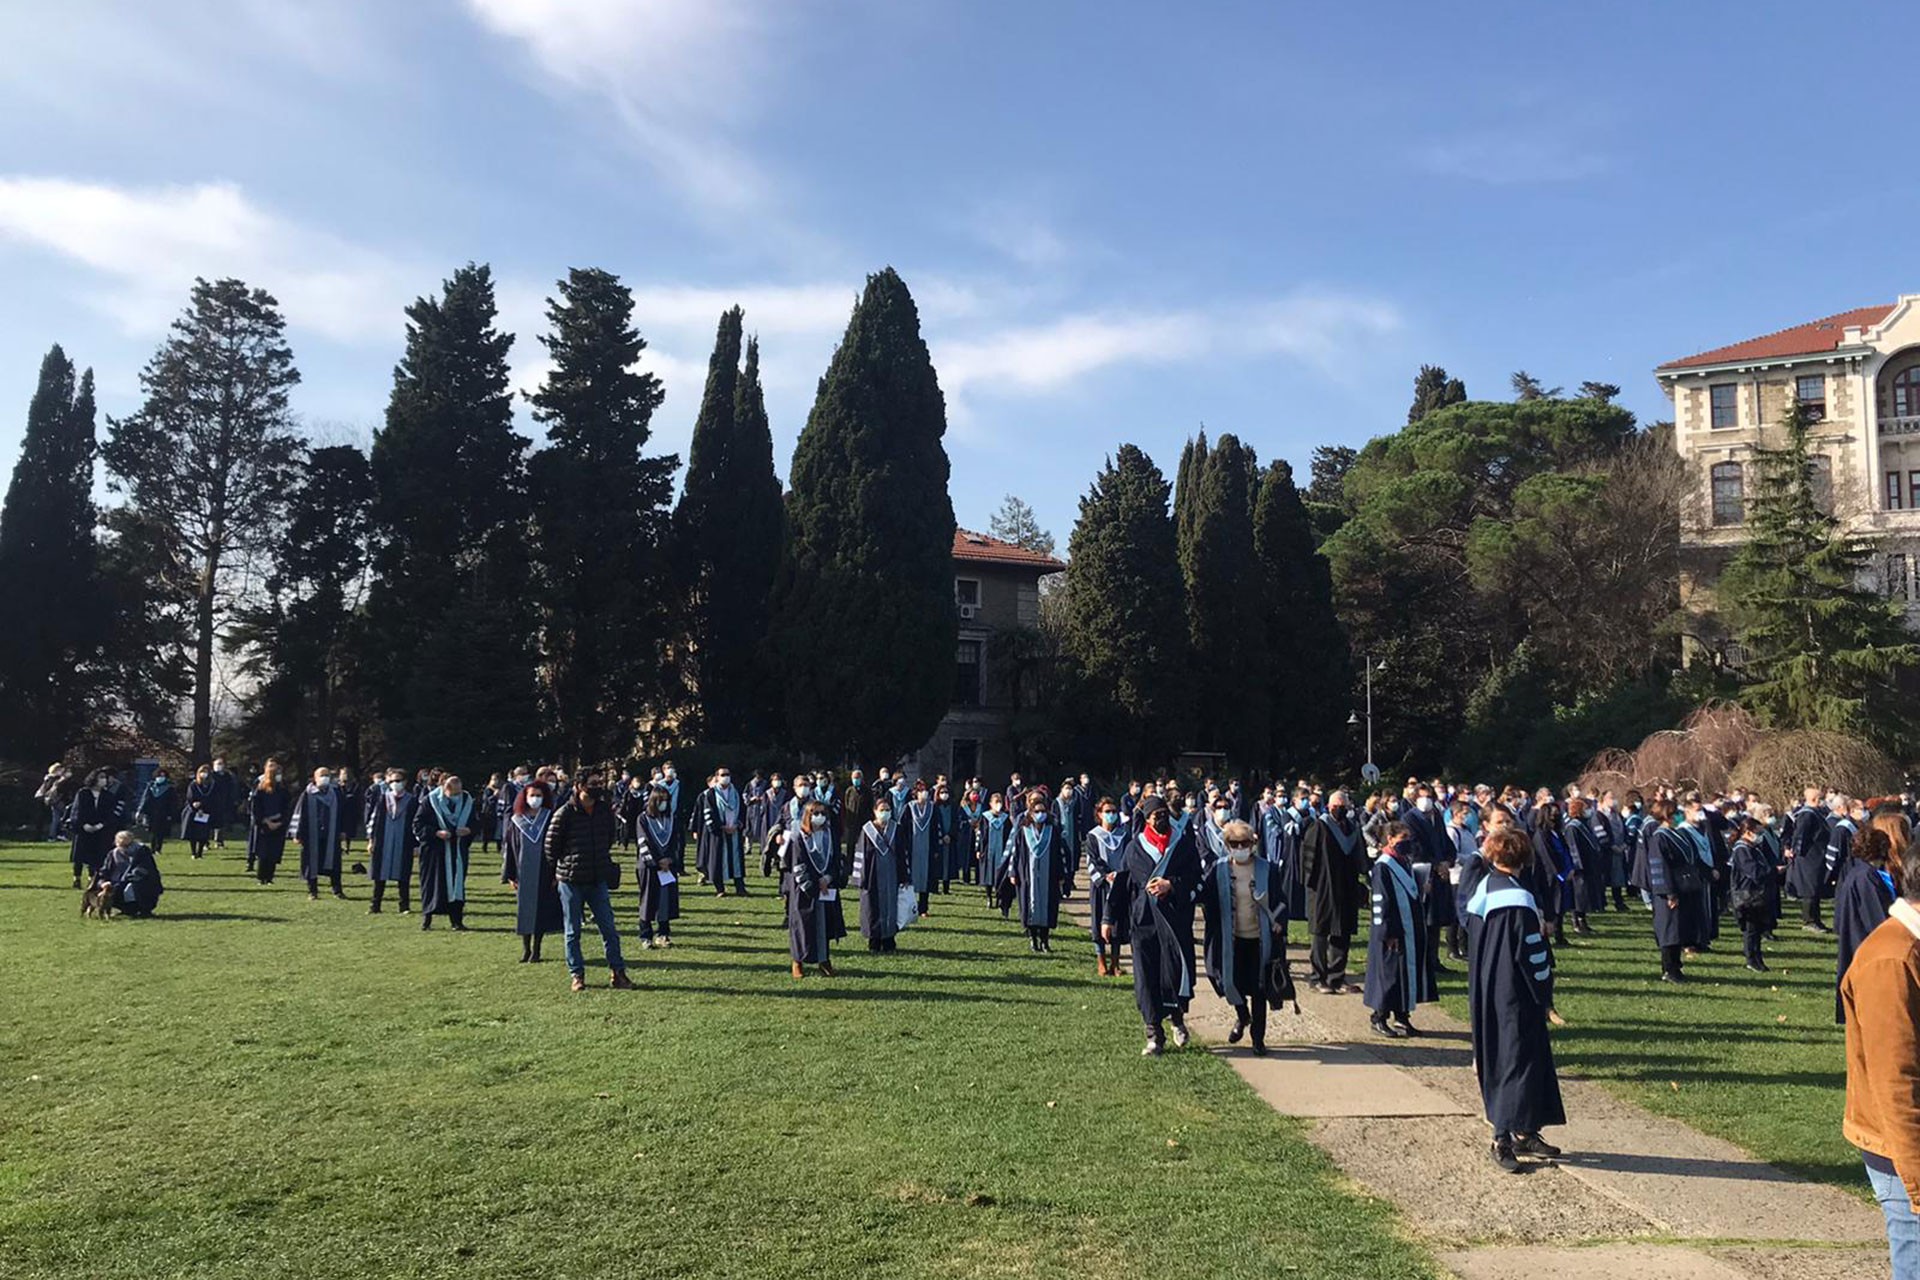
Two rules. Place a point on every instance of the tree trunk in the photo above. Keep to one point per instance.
(203, 659)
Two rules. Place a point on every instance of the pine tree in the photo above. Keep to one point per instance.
(1432, 389)
(1604, 392)
(448, 645)
(1821, 651)
(206, 458)
(867, 623)
(728, 531)
(1124, 616)
(1015, 522)
(1225, 618)
(1308, 666)
(601, 522)
(1527, 387)
(48, 679)
(1330, 465)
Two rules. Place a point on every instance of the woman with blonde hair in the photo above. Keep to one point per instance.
(810, 880)
(267, 823)
(1244, 901)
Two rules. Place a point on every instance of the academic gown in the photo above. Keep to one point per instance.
(807, 873)
(524, 863)
(135, 878)
(1333, 865)
(390, 837)
(994, 842)
(1399, 979)
(1037, 872)
(443, 863)
(1509, 990)
(1160, 930)
(316, 826)
(159, 809)
(1215, 897)
(1807, 877)
(876, 874)
(267, 845)
(90, 848)
(659, 903)
(1861, 902)
(1656, 869)
(916, 835)
(1104, 850)
(720, 854)
(1755, 888)
(1433, 847)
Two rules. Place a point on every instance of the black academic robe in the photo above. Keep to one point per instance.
(103, 809)
(443, 863)
(1807, 840)
(390, 838)
(1755, 887)
(1104, 850)
(721, 854)
(1433, 846)
(1038, 872)
(1509, 990)
(876, 873)
(1159, 929)
(1333, 864)
(655, 851)
(159, 809)
(1398, 975)
(316, 825)
(135, 878)
(525, 865)
(807, 873)
(225, 791)
(267, 844)
(1215, 896)
(1861, 902)
(1659, 866)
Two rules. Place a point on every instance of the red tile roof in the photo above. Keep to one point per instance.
(1807, 339)
(979, 548)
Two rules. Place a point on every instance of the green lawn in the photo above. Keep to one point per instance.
(258, 1085)
(1756, 1057)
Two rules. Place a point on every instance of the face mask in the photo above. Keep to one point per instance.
(1038, 818)
(1240, 852)
(534, 802)
(1109, 819)
(1222, 816)
(857, 780)
(883, 816)
(1424, 804)
(819, 821)
(324, 780)
(725, 781)
(396, 787)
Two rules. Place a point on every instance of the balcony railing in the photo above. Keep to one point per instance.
(1900, 426)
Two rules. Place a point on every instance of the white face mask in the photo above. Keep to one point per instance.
(1038, 819)
(1424, 804)
(534, 802)
(1239, 854)
(819, 820)
(1221, 817)
(883, 816)
(803, 791)
(396, 787)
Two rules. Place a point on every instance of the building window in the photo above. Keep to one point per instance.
(1820, 472)
(1906, 393)
(1893, 490)
(1811, 390)
(1725, 398)
(1728, 493)
(1897, 576)
(966, 594)
(966, 674)
(1913, 490)
(966, 761)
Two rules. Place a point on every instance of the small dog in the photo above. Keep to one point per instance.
(97, 901)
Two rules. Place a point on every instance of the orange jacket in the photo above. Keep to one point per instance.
(1881, 995)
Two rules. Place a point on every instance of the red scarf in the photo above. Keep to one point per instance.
(1156, 841)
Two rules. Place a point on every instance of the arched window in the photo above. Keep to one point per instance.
(1906, 393)
(1729, 493)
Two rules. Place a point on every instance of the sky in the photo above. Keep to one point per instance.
(1122, 221)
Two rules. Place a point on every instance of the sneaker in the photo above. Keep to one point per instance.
(1758, 966)
(621, 982)
(1503, 1156)
(1314, 984)
(664, 943)
(579, 983)
(1380, 1028)
(1532, 1144)
(1670, 976)
(1153, 1049)
(1407, 1028)
(1180, 1035)
(799, 970)
(646, 944)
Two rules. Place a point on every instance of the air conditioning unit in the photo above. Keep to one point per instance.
(968, 612)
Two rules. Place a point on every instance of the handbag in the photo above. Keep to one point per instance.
(1280, 988)
(906, 906)
(613, 873)
(1682, 871)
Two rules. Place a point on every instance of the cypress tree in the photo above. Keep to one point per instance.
(1193, 462)
(1432, 389)
(867, 624)
(601, 520)
(1226, 620)
(48, 557)
(448, 644)
(206, 459)
(1124, 617)
(728, 531)
(1307, 659)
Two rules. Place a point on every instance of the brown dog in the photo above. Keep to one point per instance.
(97, 901)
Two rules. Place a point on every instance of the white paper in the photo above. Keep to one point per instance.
(664, 877)
(829, 895)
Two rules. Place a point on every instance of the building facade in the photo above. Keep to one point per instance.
(996, 589)
(1858, 374)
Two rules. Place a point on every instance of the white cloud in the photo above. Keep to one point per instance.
(144, 246)
(1512, 158)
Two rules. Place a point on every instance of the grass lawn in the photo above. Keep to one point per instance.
(255, 1085)
(1757, 1058)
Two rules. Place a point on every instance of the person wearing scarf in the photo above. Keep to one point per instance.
(1756, 889)
(1038, 871)
(809, 881)
(946, 840)
(1243, 898)
(1333, 864)
(992, 842)
(772, 821)
(1553, 867)
(1105, 848)
(1663, 868)
(316, 828)
(657, 871)
(1399, 974)
(159, 808)
(525, 866)
(391, 841)
(876, 874)
(966, 837)
(444, 827)
(720, 850)
(917, 833)
(1069, 822)
(199, 818)
(1153, 889)
(267, 824)
(1698, 903)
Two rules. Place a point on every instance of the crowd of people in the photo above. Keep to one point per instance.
(1491, 879)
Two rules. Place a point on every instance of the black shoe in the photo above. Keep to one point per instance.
(1380, 1028)
(1259, 1048)
(1503, 1156)
(1670, 976)
(1239, 1028)
(374, 910)
(1532, 1144)
(1758, 966)
(1407, 1028)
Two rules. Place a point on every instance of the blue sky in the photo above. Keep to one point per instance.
(1122, 220)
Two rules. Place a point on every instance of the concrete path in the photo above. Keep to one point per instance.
(1636, 1195)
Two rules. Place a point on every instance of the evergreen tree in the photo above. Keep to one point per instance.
(448, 645)
(1225, 614)
(1308, 666)
(867, 624)
(1330, 465)
(1193, 462)
(1015, 522)
(1822, 651)
(1432, 389)
(728, 531)
(205, 459)
(1123, 622)
(1527, 387)
(601, 521)
(1604, 392)
(48, 673)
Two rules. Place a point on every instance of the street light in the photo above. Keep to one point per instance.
(1369, 772)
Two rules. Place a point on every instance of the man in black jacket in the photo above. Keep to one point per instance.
(580, 846)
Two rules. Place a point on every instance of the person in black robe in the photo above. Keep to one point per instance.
(1865, 894)
(97, 816)
(1333, 863)
(856, 808)
(444, 827)
(158, 810)
(316, 827)
(808, 879)
(392, 842)
(524, 864)
(1399, 975)
(1105, 848)
(353, 807)
(1509, 992)
(1038, 871)
(657, 870)
(876, 872)
(1153, 888)
(1809, 877)
(225, 792)
(200, 819)
(267, 820)
(720, 848)
(1755, 893)
(132, 874)
(1665, 869)
(1243, 898)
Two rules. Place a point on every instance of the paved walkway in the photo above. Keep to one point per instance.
(1636, 1195)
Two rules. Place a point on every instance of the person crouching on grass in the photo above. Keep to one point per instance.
(1509, 992)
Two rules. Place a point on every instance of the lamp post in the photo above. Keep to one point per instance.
(1369, 772)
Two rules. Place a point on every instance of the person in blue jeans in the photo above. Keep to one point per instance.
(580, 844)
